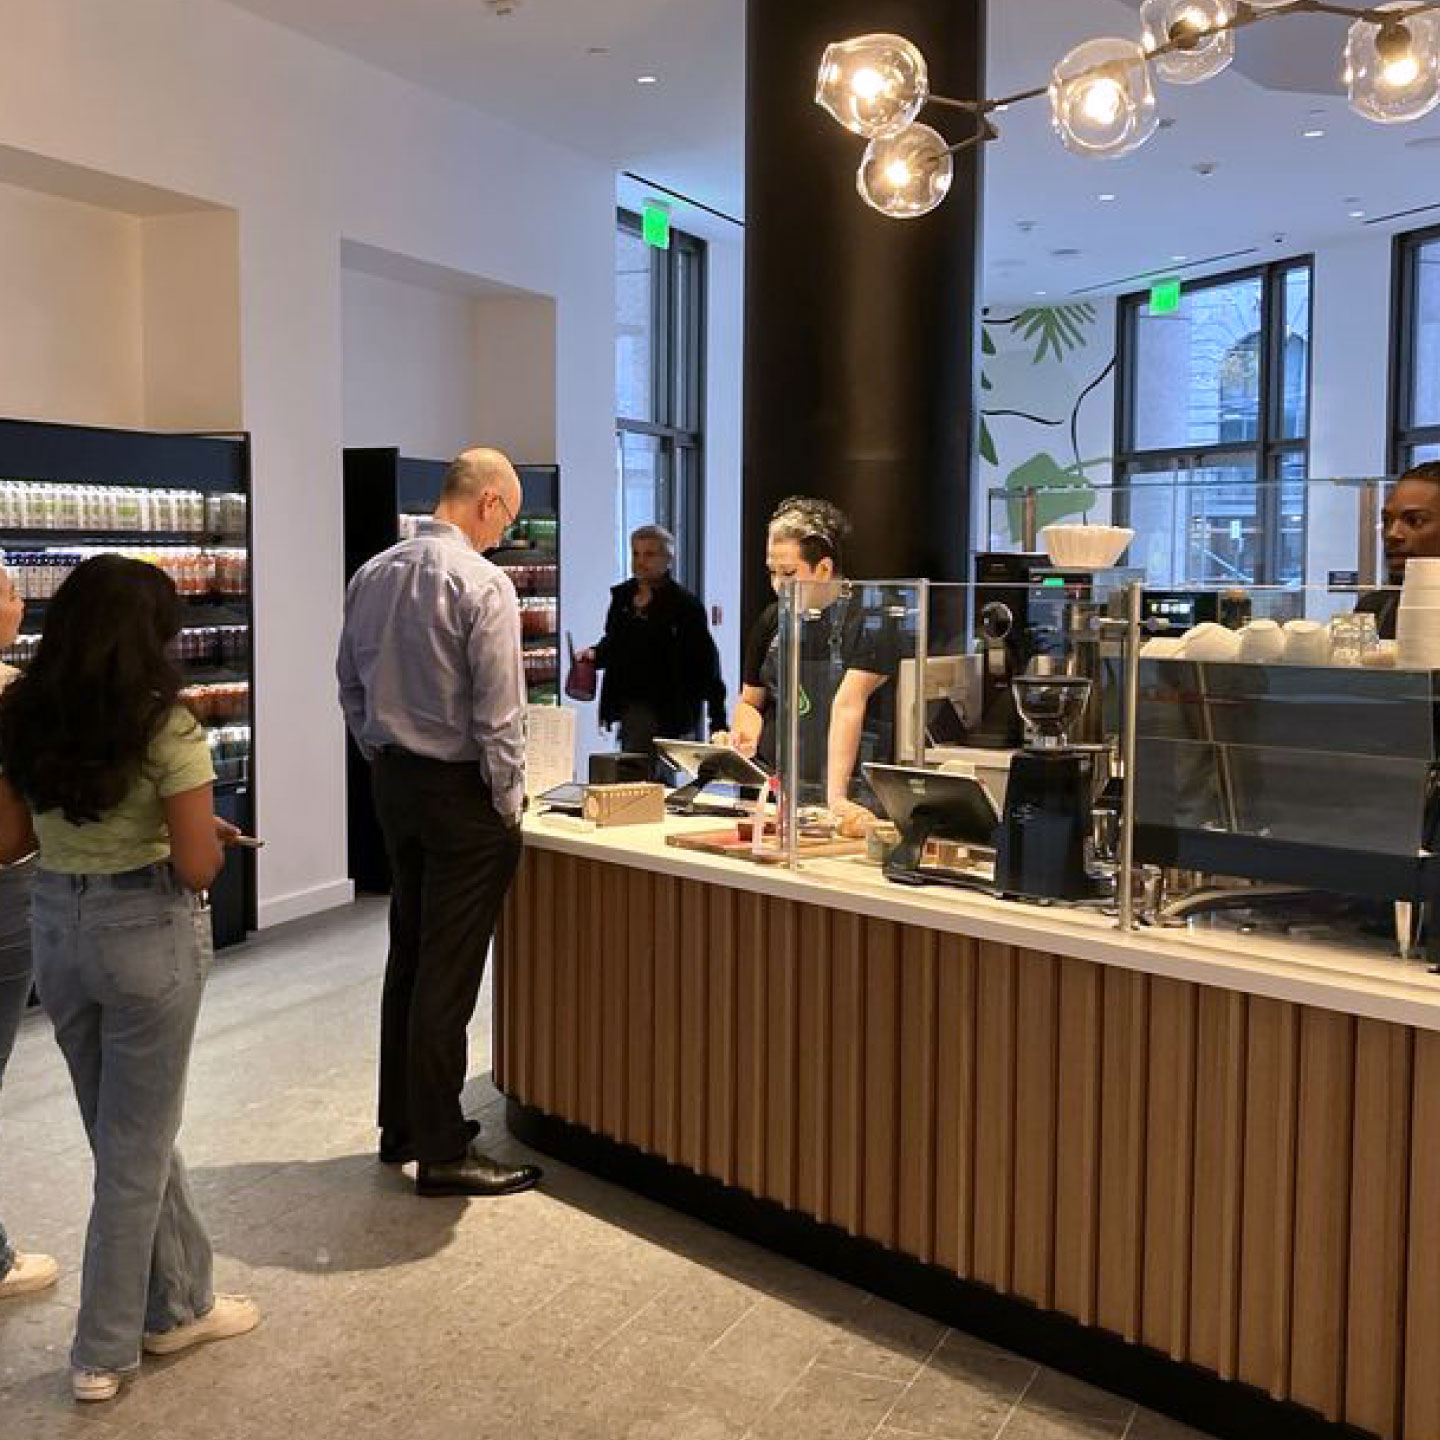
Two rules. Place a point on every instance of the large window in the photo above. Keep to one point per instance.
(660, 391)
(1213, 428)
(1417, 391)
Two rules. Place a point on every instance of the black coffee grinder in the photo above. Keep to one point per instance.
(1045, 837)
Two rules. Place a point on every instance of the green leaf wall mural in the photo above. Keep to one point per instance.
(1051, 336)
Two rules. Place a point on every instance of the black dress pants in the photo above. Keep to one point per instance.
(452, 860)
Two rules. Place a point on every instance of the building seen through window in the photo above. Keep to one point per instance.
(1214, 427)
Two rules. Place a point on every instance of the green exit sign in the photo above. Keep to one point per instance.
(1165, 297)
(655, 225)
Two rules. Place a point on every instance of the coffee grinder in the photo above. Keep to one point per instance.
(1045, 838)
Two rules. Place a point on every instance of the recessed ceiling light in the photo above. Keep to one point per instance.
(1357, 214)
(1042, 293)
(1313, 134)
(647, 79)
(1178, 259)
(1107, 197)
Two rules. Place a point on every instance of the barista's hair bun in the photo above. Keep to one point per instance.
(818, 527)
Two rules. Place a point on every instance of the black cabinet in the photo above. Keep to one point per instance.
(384, 490)
(179, 501)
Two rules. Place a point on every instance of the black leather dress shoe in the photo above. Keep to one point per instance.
(475, 1174)
(396, 1147)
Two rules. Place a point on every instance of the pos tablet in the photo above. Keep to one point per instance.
(708, 764)
(933, 805)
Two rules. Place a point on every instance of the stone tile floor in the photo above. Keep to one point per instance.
(576, 1311)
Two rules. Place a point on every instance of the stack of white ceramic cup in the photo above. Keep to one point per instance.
(1417, 629)
(1307, 642)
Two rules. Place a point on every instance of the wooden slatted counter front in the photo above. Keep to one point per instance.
(1203, 1173)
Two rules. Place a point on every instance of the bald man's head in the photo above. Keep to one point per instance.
(481, 495)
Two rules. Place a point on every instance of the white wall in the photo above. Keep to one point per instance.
(1349, 394)
(409, 367)
(312, 148)
(431, 368)
(70, 298)
(514, 347)
(190, 321)
(724, 473)
(1350, 361)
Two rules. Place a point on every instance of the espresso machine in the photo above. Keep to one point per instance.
(1045, 844)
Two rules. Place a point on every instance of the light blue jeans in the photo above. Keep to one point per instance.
(14, 984)
(120, 964)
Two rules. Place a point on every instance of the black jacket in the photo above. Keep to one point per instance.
(664, 657)
(1384, 605)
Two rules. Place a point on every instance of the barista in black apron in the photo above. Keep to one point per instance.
(847, 650)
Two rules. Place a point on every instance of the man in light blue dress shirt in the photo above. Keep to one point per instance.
(433, 687)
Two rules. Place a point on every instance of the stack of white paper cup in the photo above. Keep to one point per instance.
(1417, 628)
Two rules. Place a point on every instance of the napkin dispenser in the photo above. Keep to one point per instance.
(637, 803)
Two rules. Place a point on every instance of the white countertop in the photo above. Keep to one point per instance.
(1333, 978)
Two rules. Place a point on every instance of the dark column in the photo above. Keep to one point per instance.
(860, 370)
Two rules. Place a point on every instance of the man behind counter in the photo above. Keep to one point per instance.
(1411, 527)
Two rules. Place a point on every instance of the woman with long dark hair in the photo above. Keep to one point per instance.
(109, 776)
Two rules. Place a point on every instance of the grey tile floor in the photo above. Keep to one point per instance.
(575, 1311)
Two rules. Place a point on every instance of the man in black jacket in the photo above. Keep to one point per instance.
(662, 670)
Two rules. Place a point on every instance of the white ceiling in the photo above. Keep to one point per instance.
(534, 68)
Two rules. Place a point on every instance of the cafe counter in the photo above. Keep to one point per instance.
(1199, 1170)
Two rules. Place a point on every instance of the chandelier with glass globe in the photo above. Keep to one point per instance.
(1102, 94)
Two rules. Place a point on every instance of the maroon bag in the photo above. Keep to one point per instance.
(580, 678)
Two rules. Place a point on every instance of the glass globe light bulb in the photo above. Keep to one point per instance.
(868, 84)
(1392, 66)
(907, 175)
(1198, 28)
(1102, 99)
(1102, 102)
(874, 85)
(1400, 73)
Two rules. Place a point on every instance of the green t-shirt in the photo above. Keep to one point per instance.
(133, 834)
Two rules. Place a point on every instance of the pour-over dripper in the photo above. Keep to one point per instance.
(1050, 705)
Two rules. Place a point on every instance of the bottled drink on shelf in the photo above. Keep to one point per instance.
(125, 509)
(230, 753)
(218, 704)
(195, 572)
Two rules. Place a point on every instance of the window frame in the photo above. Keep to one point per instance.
(1270, 449)
(1405, 436)
(682, 447)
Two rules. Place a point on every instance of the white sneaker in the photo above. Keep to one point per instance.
(231, 1315)
(90, 1386)
(28, 1274)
